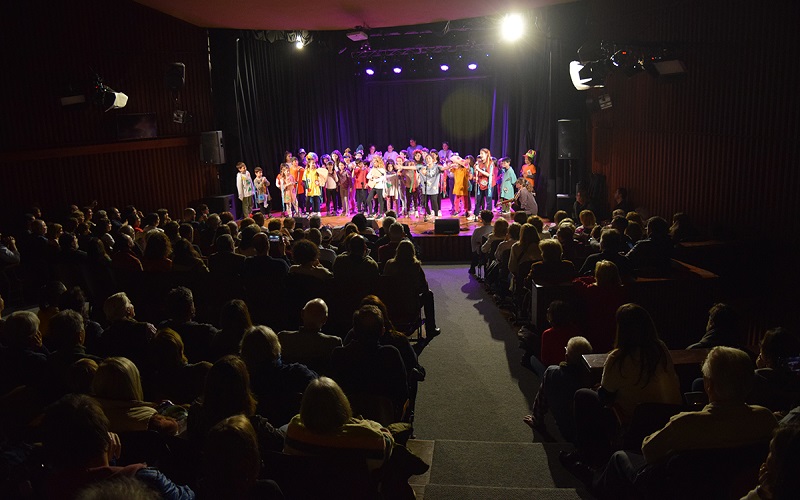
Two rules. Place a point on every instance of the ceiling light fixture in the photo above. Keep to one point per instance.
(512, 27)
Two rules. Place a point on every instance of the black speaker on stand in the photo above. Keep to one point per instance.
(571, 138)
(212, 148)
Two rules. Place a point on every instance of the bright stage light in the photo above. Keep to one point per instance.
(444, 67)
(472, 66)
(298, 44)
(370, 71)
(512, 28)
(397, 70)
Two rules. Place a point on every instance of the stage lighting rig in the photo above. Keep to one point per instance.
(106, 97)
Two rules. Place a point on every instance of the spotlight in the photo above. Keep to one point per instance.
(444, 67)
(588, 75)
(298, 44)
(107, 97)
(472, 66)
(370, 71)
(397, 70)
(512, 27)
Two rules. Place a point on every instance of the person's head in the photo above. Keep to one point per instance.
(260, 243)
(620, 194)
(587, 218)
(500, 228)
(565, 234)
(167, 349)
(635, 217)
(225, 243)
(722, 318)
(528, 236)
(582, 196)
(357, 246)
(314, 314)
(118, 378)
(118, 307)
(520, 217)
(38, 227)
(67, 330)
(368, 324)
(241, 167)
(157, 245)
(635, 328)
(485, 154)
(418, 158)
(513, 231)
(576, 348)
(560, 314)
(388, 221)
(782, 476)
(618, 213)
(315, 221)
(314, 235)
(235, 316)
(231, 458)
(172, 230)
(619, 223)
(405, 253)
(610, 240)
(396, 232)
(777, 346)
(486, 217)
(727, 375)
(360, 220)
(260, 346)
(75, 432)
(634, 231)
(227, 390)
(186, 231)
(50, 294)
(551, 250)
(657, 227)
(606, 274)
(179, 304)
(505, 162)
(537, 222)
(305, 252)
(325, 407)
(559, 216)
(247, 233)
(412, 142)
(21, 330)
(274, 225)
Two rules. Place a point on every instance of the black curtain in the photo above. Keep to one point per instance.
(271, 97)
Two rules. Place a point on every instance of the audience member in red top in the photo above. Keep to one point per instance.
(124, 257)
(156, 252)
(561, 316)
(601, 297)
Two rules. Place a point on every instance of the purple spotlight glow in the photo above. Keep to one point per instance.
(444, 67)
(397, 70)
(472, 66)
(370, 71)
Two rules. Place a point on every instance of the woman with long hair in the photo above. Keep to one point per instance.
(638, 370)
(234, 320)
(430, 174)
(406, 266)
(485, 177)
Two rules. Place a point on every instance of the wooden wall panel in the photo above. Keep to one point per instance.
(719, 144)
(58, 44)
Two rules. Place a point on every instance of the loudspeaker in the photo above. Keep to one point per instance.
(446, 226)
(570, 140)
(301, 222)
(212, 149)
(176, 76)
(219, 204)
(565, 202)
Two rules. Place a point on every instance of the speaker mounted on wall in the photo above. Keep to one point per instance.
(176, 76)
(571, 138)
(212, 149)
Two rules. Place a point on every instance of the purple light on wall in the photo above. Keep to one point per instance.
(444, 67)
(397, 70)
(472, 66)
(370, 71)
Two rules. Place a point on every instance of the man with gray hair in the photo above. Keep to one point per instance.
(309, 345)
(125, 336)
(726, 422)
(22, 360)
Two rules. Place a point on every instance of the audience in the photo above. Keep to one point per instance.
(309, 345)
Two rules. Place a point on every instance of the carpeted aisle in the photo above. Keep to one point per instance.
(475, 389)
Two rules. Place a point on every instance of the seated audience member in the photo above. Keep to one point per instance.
(9, 254)
(561, 317)
(635, 217)
(124, 257)
(634, 232)
(512, 237)
(498, 234)
(653, 255)
(726, 422)
(588, 222)
(196, 337)
(594, 240)
(234, 320)
(525, 250)
(171, 376)
(573, 250)
(80, 376)
(600, 297)
(49, 296)
(276, 385)
(67, 335)
(405, 266)
(79, 447)
(232, 463)
(779, 476)
(620, 223)
(264, 269)
(638, 370)
(22, 359)
(247, 232)
(557, 389)
(356, 267)
(476, 240)
(558, 217)
(156, 252)
(326, 427)
(538, 223)
(610, 246)
(309, 345)
(394, 237)
(227, 393)
(777, 382)
(722, 328)
(326, 255)
(186, 259)
(117, 386)
(225, 260)
(365, 367)
(552, 270)
(682, 229)
(305, 255)
(125, 336)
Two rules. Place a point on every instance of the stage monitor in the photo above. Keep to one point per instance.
(446, 226)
